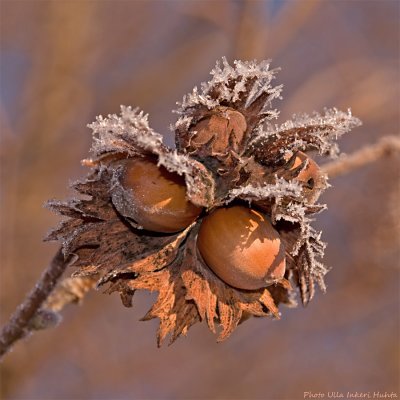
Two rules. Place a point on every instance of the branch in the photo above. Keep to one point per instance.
(69, 290)
(40, 308)
(29, 315)
(388, 145)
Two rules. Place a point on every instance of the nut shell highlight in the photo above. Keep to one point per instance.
(242, 248)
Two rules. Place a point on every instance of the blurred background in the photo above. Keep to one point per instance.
(64, 62)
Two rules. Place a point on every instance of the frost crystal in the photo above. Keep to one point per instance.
(244, 74)
(303, 132)
(278, 190)
(129, 132)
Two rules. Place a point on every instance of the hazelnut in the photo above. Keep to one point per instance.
(310, 174)
(242, 248)
(311, 177)
(158, 196)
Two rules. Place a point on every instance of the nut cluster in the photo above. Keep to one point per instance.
(220, 226)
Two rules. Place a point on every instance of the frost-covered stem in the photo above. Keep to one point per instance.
(18, 325)
(368, 154)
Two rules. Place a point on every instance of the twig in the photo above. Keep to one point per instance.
(69, 290)
(40, 308)
(368, 154)
(19, 323)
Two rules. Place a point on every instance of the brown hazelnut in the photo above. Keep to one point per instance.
(310, 174)
(158, 196)
(242, 248)
(310, 177)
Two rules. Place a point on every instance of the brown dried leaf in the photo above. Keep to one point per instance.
(175, 313)
(152, 259)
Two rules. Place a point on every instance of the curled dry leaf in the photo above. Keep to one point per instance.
(224, 157)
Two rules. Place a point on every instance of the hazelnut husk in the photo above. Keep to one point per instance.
(216, 134)
(205, 268)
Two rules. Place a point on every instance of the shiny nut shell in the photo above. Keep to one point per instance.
(158, 197)
(241, 247)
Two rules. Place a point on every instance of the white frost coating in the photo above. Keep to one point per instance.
(293, 212)
(194, 99)
(127, 132)
(183, 123)
(308, 245)
(241, 73)
(277, 190)
(175, 162)
(259, 88)
(326, 129)
(341, 121)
